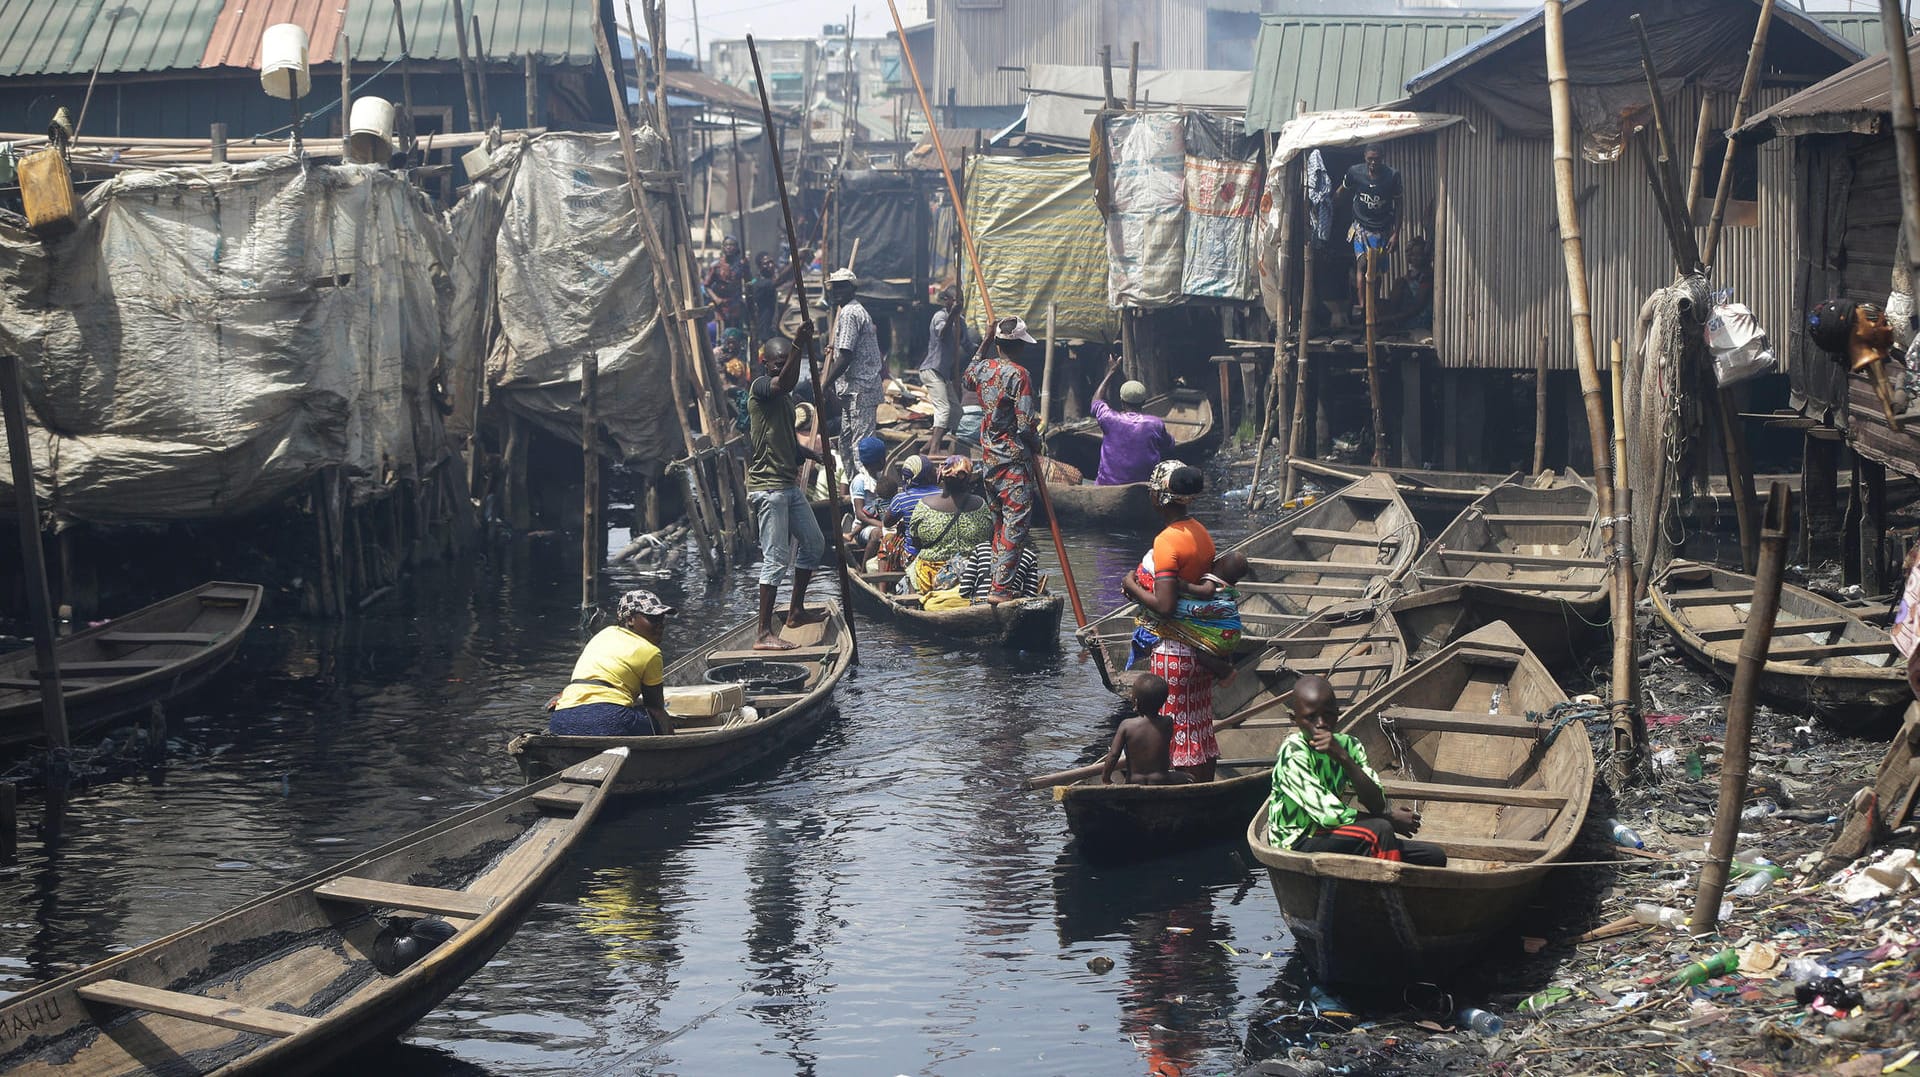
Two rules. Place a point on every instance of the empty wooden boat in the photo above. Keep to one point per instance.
(1469, 736)
(302, 978)
(1126, 507)
(785, 696)
(1025, 624)
(1530, 557)
(1434, 497)
(1332, 562)
(1188, 414)
(1823, 658)
(118, 668)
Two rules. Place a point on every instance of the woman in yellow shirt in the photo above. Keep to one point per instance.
(616, 687)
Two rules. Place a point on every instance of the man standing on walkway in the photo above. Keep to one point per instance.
(1376, 215)
(1009, 445)
(773, 486)
(859, 368)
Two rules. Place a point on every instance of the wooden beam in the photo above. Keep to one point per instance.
(1516, 585)
(133, 639)
(813, 651)
(1439, 721)
(1488, 848)
(1255, 587)
(1537, 519)
(1474, 794)
(208, 1011)
(1345, 538)
(1708, 598)
(1781, 629)
(563, 797)
(1329, 568)
(429, 899)
(1340, 665)
(1813, 652)
(1502, 557)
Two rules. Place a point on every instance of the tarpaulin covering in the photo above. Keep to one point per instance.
(886, 213)
(1146, 229)
(1223, 187)
(472, 223)
(1326, 130)
(1041, 241)
(575, 279)
(211, 336)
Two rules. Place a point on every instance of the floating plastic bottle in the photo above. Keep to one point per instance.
(1700, 972)
(1486, 1024)
(1759, 878)
(1624, 835)
(1659, 915)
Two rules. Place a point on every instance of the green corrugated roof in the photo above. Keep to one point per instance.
(62, 37)
(1346, 61)
(1862, 30)
(553, 30)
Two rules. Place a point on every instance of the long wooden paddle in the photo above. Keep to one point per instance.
(986, 304)
(772, 136)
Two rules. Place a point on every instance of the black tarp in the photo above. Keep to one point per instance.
(889, 216)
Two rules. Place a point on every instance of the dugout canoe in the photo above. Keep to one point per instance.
(706, 751)
(144, 657)
(1188, 414)
(290, 983)
(1025, 624)
(1530, 557)
(1467, 737)
(1436, 497)
(1126, 507)
(1823, 658)
(1332, 562)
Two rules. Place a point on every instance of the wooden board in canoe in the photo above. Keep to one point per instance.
(1340, 555)
(706, 751)
(1530, 557)
(118, 668)
(1026, 624)
(290, 983)
(1823, 657)
(1190, 423)
(1454, 735)
(1126, 507)
(1142, 821)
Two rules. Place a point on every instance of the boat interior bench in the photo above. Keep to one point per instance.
(1812, 626)
(374, 893)
(224, 1013)
(137, 639)
(811, 651)
(1474, 794)
(1421, 719)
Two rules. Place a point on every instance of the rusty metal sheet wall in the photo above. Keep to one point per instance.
(1501, 275)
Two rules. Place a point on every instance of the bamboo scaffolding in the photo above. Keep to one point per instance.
(1756, 57)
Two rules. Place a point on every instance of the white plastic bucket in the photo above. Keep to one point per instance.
(283, 61)
(370, 130)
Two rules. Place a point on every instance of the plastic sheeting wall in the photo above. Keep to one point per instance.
(209, 337)
(1041, 241)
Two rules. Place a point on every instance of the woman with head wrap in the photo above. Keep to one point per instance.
(918, 478)
(863, 496)
(617, 685)
(944, 526)
(1180, 560)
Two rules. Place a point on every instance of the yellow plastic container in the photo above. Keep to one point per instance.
(47, 191)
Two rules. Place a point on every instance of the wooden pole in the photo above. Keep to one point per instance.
(1299, 421)
(1756, 58)
(405, 131)
(1628, 722)
(1373, 360)
(480, 73)
(466, 65)
(739, 194)
(9, 825)
(533, 93)
(1746, 680)
(1696, 171)
(343, 51)
(1540, 407)
(1665, 182)
(33, 571)
(590, 556)
(1046, 371)
(1616, 370)
(986, 303)
(819, 390)
(1133, 77)
(1106, 76)
(1278, 378)
(1906, 150)
(217, 143)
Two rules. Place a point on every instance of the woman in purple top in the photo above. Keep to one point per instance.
(1134, 441)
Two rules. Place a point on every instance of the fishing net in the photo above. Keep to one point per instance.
(1662, 396)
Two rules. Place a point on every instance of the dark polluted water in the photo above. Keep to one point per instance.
(886, 902)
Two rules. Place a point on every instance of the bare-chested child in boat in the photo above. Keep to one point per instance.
(1145, 739)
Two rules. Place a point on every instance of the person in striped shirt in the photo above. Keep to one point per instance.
(1313, 773)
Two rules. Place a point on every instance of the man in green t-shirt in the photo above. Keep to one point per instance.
(1313, 773)
(773, 486)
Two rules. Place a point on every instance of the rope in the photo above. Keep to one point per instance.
(1562, 715)
(307, 117)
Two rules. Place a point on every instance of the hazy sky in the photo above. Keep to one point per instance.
(780, 18)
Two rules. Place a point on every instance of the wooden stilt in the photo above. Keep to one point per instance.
(1413, 402)
(33, 565)
(513, 484)
(1296, 428)
(1373, 360)
(1873, 524)
(590, 529)
(466, 64)
(1540, 407)
(1820, 518)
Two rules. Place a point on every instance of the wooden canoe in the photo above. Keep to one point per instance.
(1141, 821)
(1026, 624)
(1126, 507)
(1456, 735)
(1188, 414)
(144, 657)
(1530, 557)
(1823, 657)
(704, 752)
(288, 983)
(1330, 562)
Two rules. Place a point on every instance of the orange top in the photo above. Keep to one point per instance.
(1183, 549)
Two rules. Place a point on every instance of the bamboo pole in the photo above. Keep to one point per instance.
(406, 82)
(1299, 421)
(532, 78)
(1540, 407)
(739, 194)
(1906, 149)
(1746, 680)
(1133, 77)
(1696, 170)
(1046, 371)
(1106, 75)
(819, 390)
(343, 51)
(466, 67)
(480, 73)
(1667, 184)
(1628, 722)
(1756, 58)
(1616, 371)
(986, 304)
(1373, 360)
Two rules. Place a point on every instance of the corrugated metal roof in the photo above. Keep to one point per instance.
(1858, 99)
(1861, 30)
(1340, 62)
(235, 41)
(65, 37)
(557, 31)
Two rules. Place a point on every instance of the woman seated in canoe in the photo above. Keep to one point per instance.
(918, 481)
(1314, 772)
(976, 580)
(943, 527)
(616, 690)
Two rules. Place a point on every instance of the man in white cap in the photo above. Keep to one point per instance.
(859, 368)
(1134, 442)
(1009, 445)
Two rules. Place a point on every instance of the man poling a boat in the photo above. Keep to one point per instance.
(1009, 444)
(616, 690)
(1314, 771)
(859, 371)
(790, 537)
(1133, 442)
